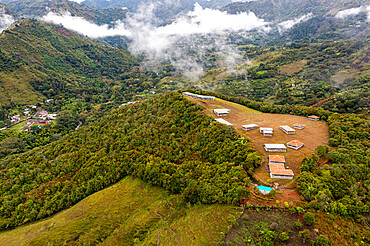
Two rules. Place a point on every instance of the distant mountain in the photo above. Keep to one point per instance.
(133, 4)
(281, 10)
(37, 8)
(43, 60)
(304, 21)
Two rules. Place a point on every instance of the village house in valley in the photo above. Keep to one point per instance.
(38, 122)
(222, 111)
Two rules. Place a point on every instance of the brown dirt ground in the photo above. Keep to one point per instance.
(315, 133)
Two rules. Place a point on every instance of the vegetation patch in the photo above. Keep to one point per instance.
(129, 212)
(166, 141)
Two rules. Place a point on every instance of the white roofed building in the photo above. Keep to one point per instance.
(267, 131)
(287, 129)
(222, 111)
(249, 127)
(202, 97)
(275, 147)
(222, 121)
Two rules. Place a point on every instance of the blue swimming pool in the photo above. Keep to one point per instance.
(261, 187)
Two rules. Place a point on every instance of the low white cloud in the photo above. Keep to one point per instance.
(185, 42)
(77, 1)
(5, 20)
(85, 27)
(285, 25)
(354, 11)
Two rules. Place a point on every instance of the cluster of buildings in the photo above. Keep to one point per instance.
(40, 119)
(276, 163)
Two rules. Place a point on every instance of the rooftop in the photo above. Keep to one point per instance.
(222, 110)
(277, 158)
(222, 121)
(314, 116)
(287, 128)
(299, 125)
(250, 125)
(279, 169)
(295, 143)
(273, 146)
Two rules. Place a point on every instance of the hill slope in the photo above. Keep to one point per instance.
(48, 60)
(129, 212)
(166, 141)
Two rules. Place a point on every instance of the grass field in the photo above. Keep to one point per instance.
(130, 212)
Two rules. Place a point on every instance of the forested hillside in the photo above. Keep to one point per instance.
(332, 75)
(281, 10)
(38, 8)
(41, 60)
(166, 141)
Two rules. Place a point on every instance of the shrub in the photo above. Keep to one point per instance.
(283, 236)
(286, 204)
(309, 218)
(298, 224)
(300, 210)
(305, 234)
(322, 241)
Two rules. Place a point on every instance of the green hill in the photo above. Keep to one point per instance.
(281, 10)
(331, 74)
(166, 141)
(130, 212)
(38, 8)
(44, 60)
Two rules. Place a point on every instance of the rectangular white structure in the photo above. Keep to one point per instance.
(275, 147)
(287, 129)
(267, 131)
(221, 111)
(202, 97)
(249, 127)
(262, 129)
(222, 121)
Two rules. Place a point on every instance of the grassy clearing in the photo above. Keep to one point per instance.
(239, 107)
(17, 128)
(130, 212)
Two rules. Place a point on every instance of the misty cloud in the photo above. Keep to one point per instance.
(185, 43)
(85, 27)
(77, 1)
(285, 25)
(5, 20)
(354, 11)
